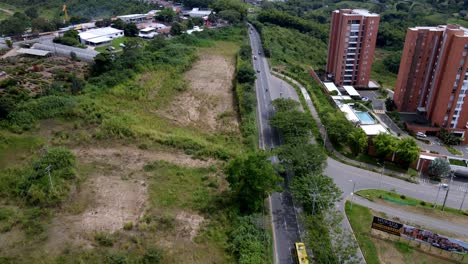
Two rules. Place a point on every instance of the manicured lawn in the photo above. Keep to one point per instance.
(115, 43)
(397, 199)
(453, 150)
(457, 162)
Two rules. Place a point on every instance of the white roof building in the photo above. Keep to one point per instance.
(133, 18)
(374, 130)
(196, 12)
(34, 52)
(100, 36)
(349, 113)
(351, 91)
(195, 29)
(331, 87)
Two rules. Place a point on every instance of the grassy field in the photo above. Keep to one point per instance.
(422, 207)
(377, 251)
(115, 43)
(150, 185)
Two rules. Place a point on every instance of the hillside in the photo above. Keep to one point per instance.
(79, 8)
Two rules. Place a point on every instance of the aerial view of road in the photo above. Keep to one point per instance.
(269, 88)
(286, 230)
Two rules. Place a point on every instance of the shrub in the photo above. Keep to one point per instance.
(128, 226)
(403, 197)
(21, 121)
(152, 256)
(117, 126)
(104, 239)
(423, 203)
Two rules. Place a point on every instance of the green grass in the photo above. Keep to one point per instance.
(115, 43)
(458, 162)
(360, 219)
(453, 150)
(16, 149)
(379, 73)
(406, 201)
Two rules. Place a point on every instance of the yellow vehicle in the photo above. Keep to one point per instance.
(301, 254)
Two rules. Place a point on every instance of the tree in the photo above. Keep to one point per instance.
(251, 177)
(230, 15)
(42, 25)
(238, 10)
(166, 15)
(130, 30)
(104, 23)
(338, 127)
(303, 159)
(392, 62)
(407, 150)
(294, 126)
(439, 168)
(357, 141)
(390, 104)
(31, 12)
(102, 63)
(448, 138)
(322, 187)
(245, 74)
(118, 24)
(385, 145)
(177, 28)
(14, 25)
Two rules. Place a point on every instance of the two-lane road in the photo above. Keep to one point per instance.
(269, 88)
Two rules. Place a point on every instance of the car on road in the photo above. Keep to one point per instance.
(365, 99)
(258, 71)
(255, 57)
(444, 185)
(259, 53)
(110, 48)
(421, 135)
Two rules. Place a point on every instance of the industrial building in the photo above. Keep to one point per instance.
(351, 46)
(433, 79)
(100, 36)
(133, 18)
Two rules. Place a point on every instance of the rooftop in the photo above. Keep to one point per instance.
(362, 12)
(34, 52)
(132, 16)
(374, 130)
(99, 32)
(331, 87)
(351, 91)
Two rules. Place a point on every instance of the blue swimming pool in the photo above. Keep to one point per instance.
(365, 118)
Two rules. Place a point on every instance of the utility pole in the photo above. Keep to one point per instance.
(50, 178)
(381, 174)
(437, 197)
(464, 195)
(448, 189)
(352, 195)
(314, 196)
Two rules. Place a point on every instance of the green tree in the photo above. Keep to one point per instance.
(448, 138)
(14, 25)
(42, 25)
(294, 126)
(177, 28)
(326, 193)
(166, 15)
(439, 168)
(251, 178)
(239, 8)
(303, 159)
(407, 150)
(392, 62)
(338, 127)
(130, 30)
(357, 141)
(385, 145)
(230, 15)
(118, 24)
(390, 104)
(245, 74)
(31, 12)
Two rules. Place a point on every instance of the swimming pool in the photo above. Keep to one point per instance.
(365, 118)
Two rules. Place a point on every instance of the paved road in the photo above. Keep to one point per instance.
(269, 88)
(415, 219)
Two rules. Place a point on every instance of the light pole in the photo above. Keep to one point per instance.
(352, 195)
(448, 189)
(437, 196)
(381, 173)
(464, 195)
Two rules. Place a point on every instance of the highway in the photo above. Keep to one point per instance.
(284, 220)
(283, 214)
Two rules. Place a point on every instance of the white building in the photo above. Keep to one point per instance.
(133, 18)
(196, 12)
(148, 33)
(100, 36)
(195, 29)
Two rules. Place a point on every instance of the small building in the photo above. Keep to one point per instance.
(374, 130)
(34, 52)
(349, 113)
(352, 92)
(196, 12)
(331, 87)
(100, 36)
(133, 18)
(424, 160)
(195, 29)
(148, 33)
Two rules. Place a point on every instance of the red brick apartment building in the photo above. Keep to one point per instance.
(433, 79)
(351, 46)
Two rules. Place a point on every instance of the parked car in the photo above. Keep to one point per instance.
(258, 71)
(421, 134)
(110, 48)
(255, 57)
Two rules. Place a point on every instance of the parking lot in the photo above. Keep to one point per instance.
(377, 104)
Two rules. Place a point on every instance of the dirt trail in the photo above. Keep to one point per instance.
(7, 11)
(209, 102)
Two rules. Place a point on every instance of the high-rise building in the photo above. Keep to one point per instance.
(433, 79)
(351, 46)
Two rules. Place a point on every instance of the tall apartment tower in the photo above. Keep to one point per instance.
(351, 46)
(433, 78)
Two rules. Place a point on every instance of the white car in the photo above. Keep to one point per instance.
(421, 134)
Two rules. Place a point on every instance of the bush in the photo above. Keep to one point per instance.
(21, 121)
(117, 126)
(245, 74)
(403, 197)
(423, 203)
(128, 226)
(104, 239)
(152, 256)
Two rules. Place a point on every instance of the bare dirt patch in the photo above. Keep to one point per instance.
(115, 193)
(189, 224)
(208, 103)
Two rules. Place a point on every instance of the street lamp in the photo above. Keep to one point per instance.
(352, 194)
(448, 189)
(381, 173)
